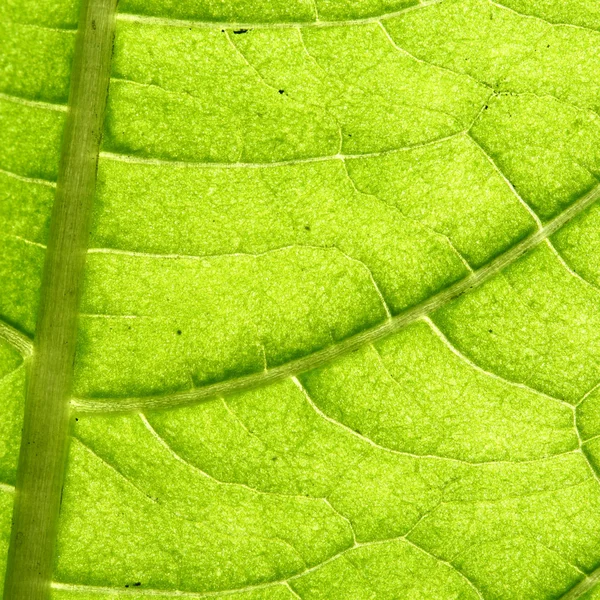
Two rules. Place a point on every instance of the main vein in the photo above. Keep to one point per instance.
(45, 430)
(585, 585)
(321, 357)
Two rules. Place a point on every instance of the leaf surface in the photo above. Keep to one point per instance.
(338, 332)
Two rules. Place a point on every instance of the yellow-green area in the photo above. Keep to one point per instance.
(288, 192)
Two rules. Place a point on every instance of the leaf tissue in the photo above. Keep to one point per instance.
(300, 299)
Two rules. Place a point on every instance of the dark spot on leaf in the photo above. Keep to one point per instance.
(281, 91)
(274, 458)
(307, 227)
(179, 332)
(237, 31)
(490, 331)
(485, 107)
(137, 584)
(93, 24)
(126, 585)
(76, 419)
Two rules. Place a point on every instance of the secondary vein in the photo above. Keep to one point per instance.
(325, 355)
(16, 338)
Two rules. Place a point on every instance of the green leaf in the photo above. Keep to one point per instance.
(336, 336)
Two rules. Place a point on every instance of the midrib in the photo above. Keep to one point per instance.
(46, 423)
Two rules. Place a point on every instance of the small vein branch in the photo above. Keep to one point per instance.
(17, 339)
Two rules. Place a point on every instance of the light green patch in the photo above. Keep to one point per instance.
(508, 51)
(21, 267)
(236, 11)
(534, 324)
(261, 210)
(464, 198)
(35, 64)
(194, 552)
(584, 13)
(275, 441)
(30, 140)
(25, 208)
(258, 326)
(12, 392)
(579, 245)
(24, 218)
(367, 186)
(62, 14)
(347, 69)
(372, 572)
(412, 393)
(6, 505)
(548, 150)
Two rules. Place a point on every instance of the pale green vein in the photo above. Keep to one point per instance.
(73, 587)
(16, 338)
(569, 269)
(267, 165)
(405, 52)
(241, 25)
(506, 180)
(116, 471)
(233, 484)
(590, 391)
(538, 18)
(294, 593)
(585, 585)
(398, 210)
(354, 342)
(367, 440)
(11, 373)
(531, 213)
(33, 180)
(64, 30)
(33, 103)
(449, 565)
(495, 376)
(23, 240)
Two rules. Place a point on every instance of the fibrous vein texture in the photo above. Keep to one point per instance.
(300, 299)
